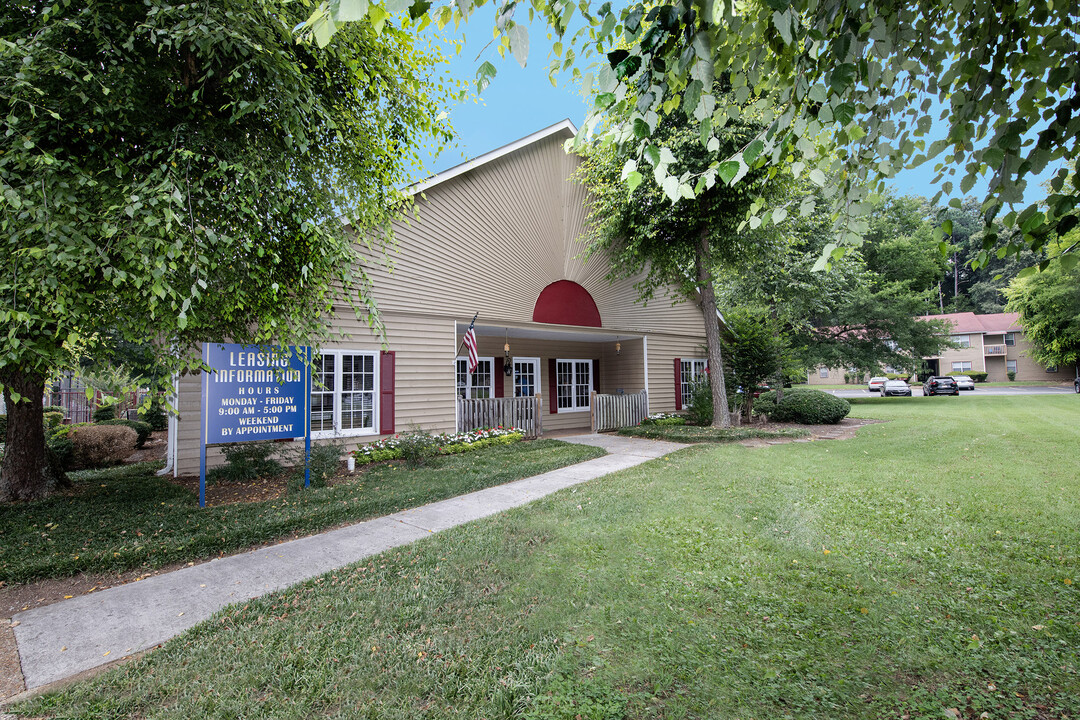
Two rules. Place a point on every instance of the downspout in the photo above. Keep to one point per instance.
(174, 426)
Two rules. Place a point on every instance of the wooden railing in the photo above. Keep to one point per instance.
(611, 412)
(520, 412)
(993, 350)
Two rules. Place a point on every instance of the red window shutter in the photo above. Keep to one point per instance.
(386, 393)
(497, 380)
(553, 387)
(596, 375)
(678, 384)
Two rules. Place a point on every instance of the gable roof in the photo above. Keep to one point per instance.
(565, 126)
(969, 322)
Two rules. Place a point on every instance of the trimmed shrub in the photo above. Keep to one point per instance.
(103, 413)
(142, 428)
(55, 408)
(156, 417)
(700, 410)
(978, 376)
(102, 445)
(806, 407)
(246, 461)
(63, 448)
(1011, 375)
(417, 447)
(53, 420)
(325, 463)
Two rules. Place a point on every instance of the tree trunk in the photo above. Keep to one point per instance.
(27, 472)
(721, 412)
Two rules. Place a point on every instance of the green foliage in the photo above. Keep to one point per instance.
(1049, 307)
(974, 375)
(52, 408)
(323, 463)
(756, 349)
(141, 428)
(53, 420)
(1011, 375)
(246, 461)
(569, 697)
(417, 448)
(104, 413)
(700, 410)
(806, 407)
(708, 434)
(156, 416)
(63, 449)
(168, 180)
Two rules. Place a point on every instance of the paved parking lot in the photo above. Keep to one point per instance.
(916, 391)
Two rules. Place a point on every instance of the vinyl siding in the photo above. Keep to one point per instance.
(494, 238)
(490, 240)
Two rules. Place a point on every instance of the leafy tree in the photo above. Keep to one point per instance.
(756, 351)
(856, 87)
(860, 314)
(675, 244)
(1049, 307)
(173, 173)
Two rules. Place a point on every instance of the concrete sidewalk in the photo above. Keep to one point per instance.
(66, 638)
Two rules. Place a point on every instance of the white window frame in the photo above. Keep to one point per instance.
(823, 372)
(1010, 339)
(535, 361)
(337, 392)
(576, 406)
(963, 341)
(961, 363)
(1007, 363)
(685, 392)
(470, 377)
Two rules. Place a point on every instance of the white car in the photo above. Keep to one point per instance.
(963, 382)
(876, 384)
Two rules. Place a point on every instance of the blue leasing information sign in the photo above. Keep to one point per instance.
(254, 393)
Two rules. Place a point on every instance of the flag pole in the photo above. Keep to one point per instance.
(470, 327)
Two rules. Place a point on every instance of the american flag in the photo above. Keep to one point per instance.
(470, 342)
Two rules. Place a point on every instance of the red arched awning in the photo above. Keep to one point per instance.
(564, 302)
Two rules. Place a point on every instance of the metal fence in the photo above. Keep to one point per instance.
(611, 412)
(520, 412)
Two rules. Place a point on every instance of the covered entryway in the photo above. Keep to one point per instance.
(550, 377)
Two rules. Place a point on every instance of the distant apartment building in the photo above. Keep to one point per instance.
(993, 344)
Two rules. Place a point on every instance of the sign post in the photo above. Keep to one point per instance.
(254, 393)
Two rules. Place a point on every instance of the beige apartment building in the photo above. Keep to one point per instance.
(992, 343)
(498, 236)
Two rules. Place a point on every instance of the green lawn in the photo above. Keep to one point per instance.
(929, 564)
(126, 518)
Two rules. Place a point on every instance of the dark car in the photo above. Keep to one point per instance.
(940, 385)
(1076, 385)
(895, 388)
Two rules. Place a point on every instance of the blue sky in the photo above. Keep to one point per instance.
(521, 101)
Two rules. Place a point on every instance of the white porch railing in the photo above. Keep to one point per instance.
(611, 412)
(520, 412)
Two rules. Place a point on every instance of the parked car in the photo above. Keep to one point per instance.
(940, 385)
(963, 382)
(876, 383)
(895, 387)
(1076, 385)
